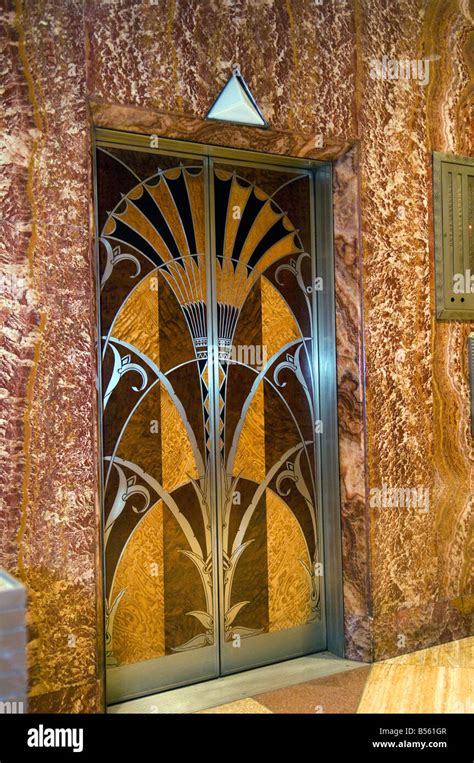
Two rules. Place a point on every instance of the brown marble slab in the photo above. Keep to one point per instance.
(416, 382)
(187, 127)
(291, 55)
(351, 406)
(413, 628)
(81, 698)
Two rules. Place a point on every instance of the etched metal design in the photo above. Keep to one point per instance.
(157, 231)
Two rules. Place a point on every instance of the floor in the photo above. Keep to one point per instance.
(435, 680)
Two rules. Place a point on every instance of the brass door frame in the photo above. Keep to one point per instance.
(327, 467)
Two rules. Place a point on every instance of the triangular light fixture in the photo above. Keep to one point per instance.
(235, 103)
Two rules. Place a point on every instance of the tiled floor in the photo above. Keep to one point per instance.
(436, 680)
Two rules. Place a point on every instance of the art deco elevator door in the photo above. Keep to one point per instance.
(209, 373)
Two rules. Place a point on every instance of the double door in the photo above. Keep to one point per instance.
(210, 412)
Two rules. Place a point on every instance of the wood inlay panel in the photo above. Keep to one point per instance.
(139, 624)
(177, 469)
(137, 321)
(289, 590)
(250, 454)
(278, 323)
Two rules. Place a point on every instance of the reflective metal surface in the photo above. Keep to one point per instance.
(221, 533)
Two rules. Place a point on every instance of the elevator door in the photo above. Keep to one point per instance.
(210, 413)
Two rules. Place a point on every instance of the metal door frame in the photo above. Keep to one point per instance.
(324, 332)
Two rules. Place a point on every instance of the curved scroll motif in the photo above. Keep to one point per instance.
(295, 268)
(293, 363)
(122, 365)
(114, 256)
(294, 474)
(126, 489)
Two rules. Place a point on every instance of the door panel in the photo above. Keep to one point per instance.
(268, 507)
(208, 384)
(158, 531)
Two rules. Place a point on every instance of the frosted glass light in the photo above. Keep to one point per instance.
(235, 103)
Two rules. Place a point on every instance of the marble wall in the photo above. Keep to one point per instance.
(48, 424)
(403, 396)
(416, 384)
